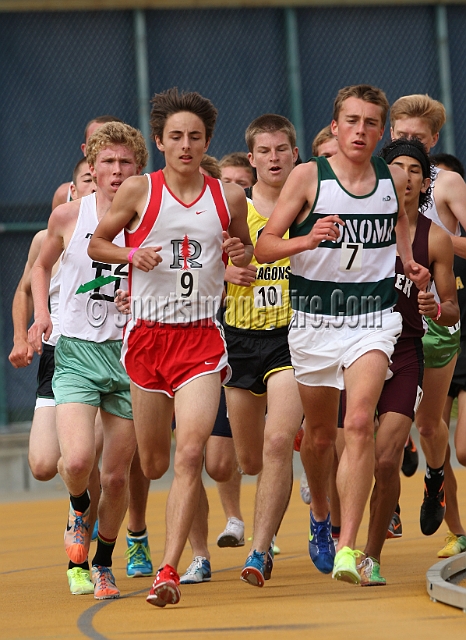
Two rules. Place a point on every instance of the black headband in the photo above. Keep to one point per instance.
(405, 148)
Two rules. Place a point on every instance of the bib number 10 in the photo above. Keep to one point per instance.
(270, 296)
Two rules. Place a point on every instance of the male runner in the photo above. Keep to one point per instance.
(236, 168)
(342, 214)
(419, 116)
(88, 374)
(64, 191)
(401, 394)
(178, 225)
(256, 329)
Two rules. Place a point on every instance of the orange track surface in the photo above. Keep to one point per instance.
(298, 602)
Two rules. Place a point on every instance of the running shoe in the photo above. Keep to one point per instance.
(321, 547)
(104, 583)
(95, 531)
(432, 511)
(369, 571)
(138, 560)
(269, 562)
(298, 439)
(454, 546)
(198, 571)
(254, 569)
(395, 529)
(165, 587)
(233, 535)
(80, 581)
(345, 568)
(304, 491)
(410, 458)
(77, 536)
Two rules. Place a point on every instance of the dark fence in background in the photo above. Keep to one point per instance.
(60, 69)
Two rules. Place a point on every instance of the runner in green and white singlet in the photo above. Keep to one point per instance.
(347, 254)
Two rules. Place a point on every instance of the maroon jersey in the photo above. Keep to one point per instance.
(406, 289)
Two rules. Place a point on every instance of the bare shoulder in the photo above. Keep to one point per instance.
(64, 216)
(233, 191)
(440, 244)
(36, 244)
(134, 186)
(61, 195)
(448, 181)
(235, 195)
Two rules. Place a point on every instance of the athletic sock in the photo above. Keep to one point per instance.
(80, 503)
(398, 508)
(434, 480)
(335, 531)
(83, 565)
(103, 554)
(137, 534)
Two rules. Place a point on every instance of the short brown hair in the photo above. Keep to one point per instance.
(323, 135)
(269, 123)
(170, 102)
(77, 168)
(238, 159)
(100, 120)
(211, 166)
(365, 92)
(117, 133)
(419, 105)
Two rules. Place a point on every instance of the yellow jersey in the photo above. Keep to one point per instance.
(265, 304)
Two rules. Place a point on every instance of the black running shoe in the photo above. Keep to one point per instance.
(269, 563)
(395, 529)
(432, 511)
(410, 458)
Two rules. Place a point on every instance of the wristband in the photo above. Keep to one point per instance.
(131, 254)
(439, 311)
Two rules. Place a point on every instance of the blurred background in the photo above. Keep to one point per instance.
(64, 62)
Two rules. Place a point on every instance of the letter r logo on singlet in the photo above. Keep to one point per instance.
(185, 254)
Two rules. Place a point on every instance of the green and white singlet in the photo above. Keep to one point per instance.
(353, 275)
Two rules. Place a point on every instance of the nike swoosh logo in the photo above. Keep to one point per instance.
(396, 526)
(199, 212)
(205, 362)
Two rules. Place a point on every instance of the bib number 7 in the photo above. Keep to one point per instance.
(351, 256)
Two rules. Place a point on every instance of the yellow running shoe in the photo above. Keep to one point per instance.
(80, 581)
(454, 545)
(344, 567)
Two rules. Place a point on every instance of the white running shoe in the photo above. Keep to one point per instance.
(304, 489)
(233, 536)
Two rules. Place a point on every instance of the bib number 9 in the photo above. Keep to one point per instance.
(187, 284)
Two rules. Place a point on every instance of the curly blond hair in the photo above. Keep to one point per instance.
(117, 133)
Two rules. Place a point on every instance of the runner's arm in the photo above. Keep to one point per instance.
(441, 254)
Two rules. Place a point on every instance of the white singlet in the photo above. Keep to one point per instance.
(91, 315)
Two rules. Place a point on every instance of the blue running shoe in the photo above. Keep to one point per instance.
(269, 562)
(198, 571)
(321, 547)
(138, 560)
(254, 568)
(95, 531)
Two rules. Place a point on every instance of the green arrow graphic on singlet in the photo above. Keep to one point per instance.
(95, 284)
